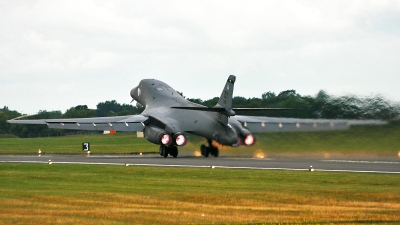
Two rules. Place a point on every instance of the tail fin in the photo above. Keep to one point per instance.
(225, 101)
(224, 105)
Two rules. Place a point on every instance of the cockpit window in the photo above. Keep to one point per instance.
(170, 89)
(159, 89)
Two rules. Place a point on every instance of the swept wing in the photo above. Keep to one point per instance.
(277, 124)
(117, 123)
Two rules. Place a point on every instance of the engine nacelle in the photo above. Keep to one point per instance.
(245, 136)
(157, 135)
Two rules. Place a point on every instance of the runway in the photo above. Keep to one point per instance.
(370, 165)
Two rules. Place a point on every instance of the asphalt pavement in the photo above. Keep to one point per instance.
(366, 165)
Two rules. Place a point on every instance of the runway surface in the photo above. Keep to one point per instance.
(370, 165)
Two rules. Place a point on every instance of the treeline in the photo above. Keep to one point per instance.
(321, 105)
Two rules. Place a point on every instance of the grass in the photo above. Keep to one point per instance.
(359, 140)
(371, 140)
(87, 194)
(125, 143)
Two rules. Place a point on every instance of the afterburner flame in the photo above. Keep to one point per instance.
(197, 153)
(180, 140)
(259, 154)
(166, 139)
(249, 140)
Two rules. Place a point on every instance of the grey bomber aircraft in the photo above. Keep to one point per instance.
(167, 116)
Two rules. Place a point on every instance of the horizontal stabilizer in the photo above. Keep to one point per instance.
(201, 109)
(222, 110)
(260, 109)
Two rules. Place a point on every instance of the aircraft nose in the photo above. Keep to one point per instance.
(133, 91)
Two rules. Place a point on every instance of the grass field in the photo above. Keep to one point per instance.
(125, 143)
(87, 194)
(98, 194)
(371, 140)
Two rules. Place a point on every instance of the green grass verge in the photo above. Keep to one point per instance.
(88, 194)
(126, 143)
(370, 140)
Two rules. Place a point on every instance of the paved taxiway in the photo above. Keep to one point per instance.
(375, 165)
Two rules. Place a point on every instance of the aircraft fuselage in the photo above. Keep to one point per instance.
(158, 98)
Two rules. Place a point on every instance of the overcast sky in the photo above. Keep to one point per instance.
(59, 54)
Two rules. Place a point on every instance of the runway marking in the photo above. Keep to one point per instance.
(22, 162)
(354, 161)
(194, 166)
(241, 158)
(166, 165)
(357, 171)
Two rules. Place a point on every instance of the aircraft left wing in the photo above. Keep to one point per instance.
(117, 123)
(276, 124)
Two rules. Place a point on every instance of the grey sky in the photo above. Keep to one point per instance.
(59, 54)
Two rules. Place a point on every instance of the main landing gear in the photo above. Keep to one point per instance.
(210, 149)
(171, 150)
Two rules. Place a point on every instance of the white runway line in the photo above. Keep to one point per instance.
(194, 166)
(354, 161)
(166, 165)
(357, 171)
(23, 162)
(257, 168)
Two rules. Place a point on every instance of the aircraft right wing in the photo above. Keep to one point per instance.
(117, 123)
(277, 124)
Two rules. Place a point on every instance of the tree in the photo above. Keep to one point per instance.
(181, 94)
(6, 114)
(268, 94)
(211, 102)
(43, 114)
(322, 105)
(80, 111)
(288, 94)
(195, 100)
(113, 108)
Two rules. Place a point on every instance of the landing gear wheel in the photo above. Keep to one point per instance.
(203, 149)
(161, 150)
(173, 151)
(207, 150)
(214, 151)
(164, 151)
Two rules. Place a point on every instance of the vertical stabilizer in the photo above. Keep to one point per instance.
(225, 101)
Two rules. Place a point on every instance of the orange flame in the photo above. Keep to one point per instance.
(259, 154)
(219, 146)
